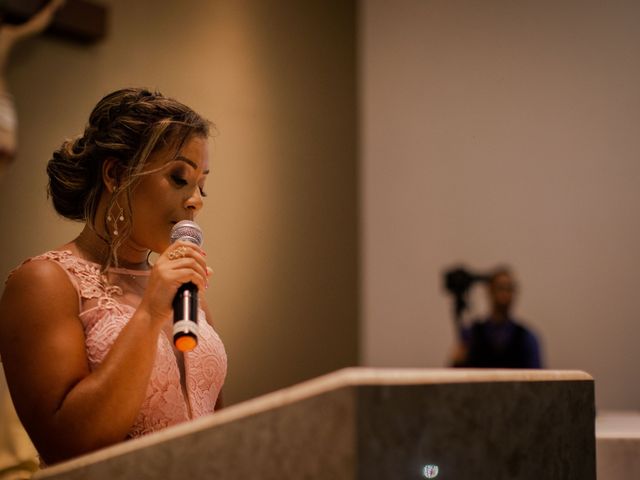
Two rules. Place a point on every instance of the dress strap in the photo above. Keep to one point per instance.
(86, 277)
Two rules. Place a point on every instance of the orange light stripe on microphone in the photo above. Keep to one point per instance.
(185, 343)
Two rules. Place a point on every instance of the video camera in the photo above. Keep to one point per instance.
(458, 281)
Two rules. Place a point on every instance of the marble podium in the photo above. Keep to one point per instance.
(618, 445)
(362, 423)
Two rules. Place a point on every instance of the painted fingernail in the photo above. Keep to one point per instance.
(209, 271)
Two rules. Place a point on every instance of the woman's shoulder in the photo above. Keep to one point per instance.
(54, 270)
(46, 268)
(56, 260)
(35, 286)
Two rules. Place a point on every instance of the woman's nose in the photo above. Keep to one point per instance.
(194, 202)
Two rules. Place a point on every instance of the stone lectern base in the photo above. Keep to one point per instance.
(618, 445)
(370, 424)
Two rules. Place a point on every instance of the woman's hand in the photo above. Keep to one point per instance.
(182, 262)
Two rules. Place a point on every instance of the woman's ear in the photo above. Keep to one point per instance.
(110, 174)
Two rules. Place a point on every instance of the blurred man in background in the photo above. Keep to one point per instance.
(498, 340)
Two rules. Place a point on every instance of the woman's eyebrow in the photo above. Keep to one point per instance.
(194, 165)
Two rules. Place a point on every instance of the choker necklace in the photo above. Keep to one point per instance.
(96, 250)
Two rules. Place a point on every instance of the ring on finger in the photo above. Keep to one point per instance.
(177, 253)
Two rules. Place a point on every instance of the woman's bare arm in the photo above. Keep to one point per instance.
(66, 408)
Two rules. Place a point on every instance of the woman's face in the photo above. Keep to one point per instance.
(173, 192)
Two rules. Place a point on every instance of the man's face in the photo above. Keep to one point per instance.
(502, 292)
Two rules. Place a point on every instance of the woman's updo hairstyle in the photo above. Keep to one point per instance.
(127, 125)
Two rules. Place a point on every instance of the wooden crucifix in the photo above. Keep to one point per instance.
(78, 20)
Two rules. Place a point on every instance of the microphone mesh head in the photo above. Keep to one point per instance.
(188, 231)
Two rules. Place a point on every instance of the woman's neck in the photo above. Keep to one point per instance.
(94, 247)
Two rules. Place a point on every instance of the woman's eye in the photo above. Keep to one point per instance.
(178, 180)
(181, 182)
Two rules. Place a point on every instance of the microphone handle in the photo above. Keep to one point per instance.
(185, 317)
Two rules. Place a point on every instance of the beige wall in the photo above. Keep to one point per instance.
(280, 224)
(491, 132)
(504, 131)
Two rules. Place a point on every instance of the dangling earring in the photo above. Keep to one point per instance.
(119, 217)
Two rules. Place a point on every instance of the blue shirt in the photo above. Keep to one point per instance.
(506, 344)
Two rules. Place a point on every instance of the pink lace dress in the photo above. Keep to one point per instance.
(107, 302)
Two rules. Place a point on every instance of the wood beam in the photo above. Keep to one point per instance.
(79, 20)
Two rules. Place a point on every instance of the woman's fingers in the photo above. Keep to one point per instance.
(182, 249)
(188, 270)
(186, 260)
(182, 262)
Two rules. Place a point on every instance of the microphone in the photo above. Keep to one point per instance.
(185, 303)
